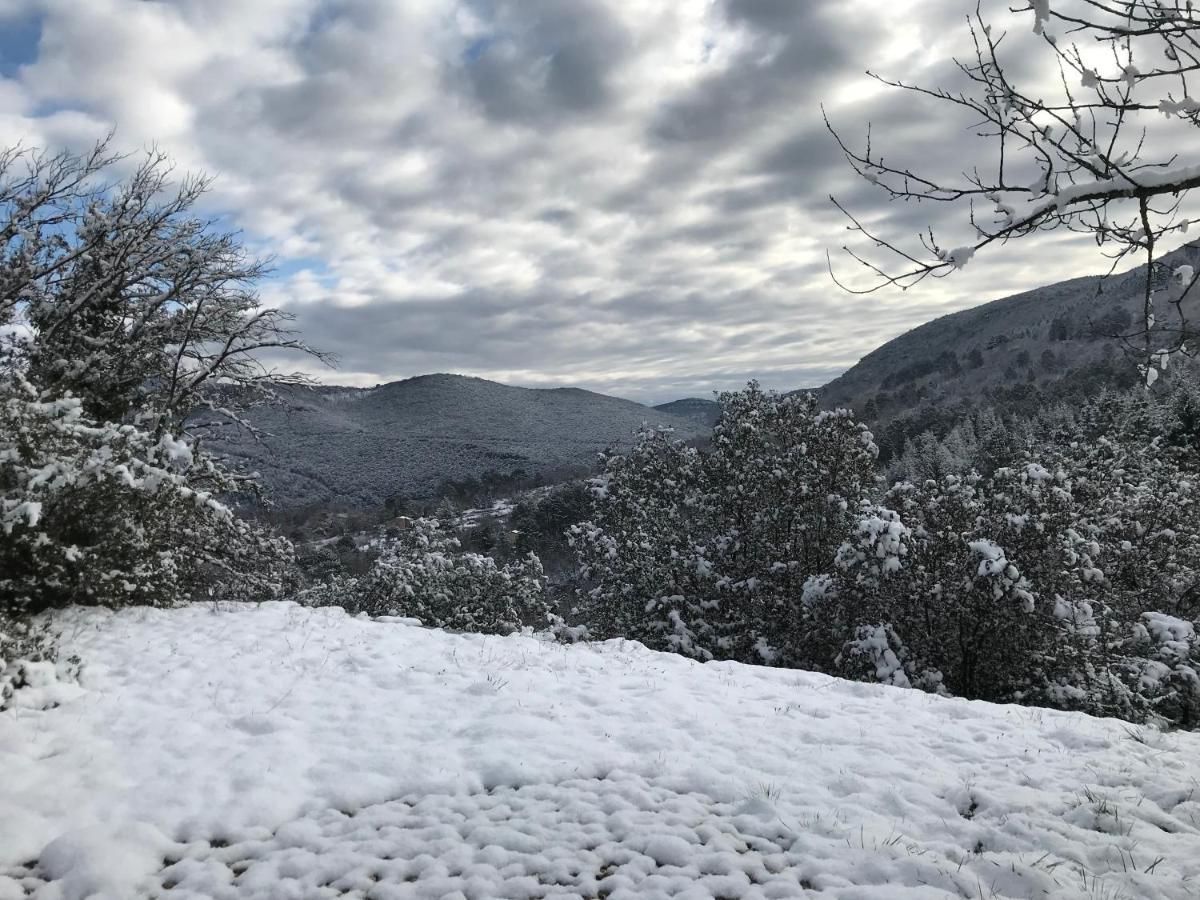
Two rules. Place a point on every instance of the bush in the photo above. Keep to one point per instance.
(1063, 581)
(1162, 670)
(28, 651)
(706, 553)
(1067, 576)
(425, 575)
(104, 514)
(949, 579)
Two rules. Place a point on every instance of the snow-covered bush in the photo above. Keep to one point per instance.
(25, 648)
(1048, 582)
(876, 653)
(125, 317)
(707, 552)
(638, 549)
(949, 595)
(424, 574)
(104, 514)
(1163, 669)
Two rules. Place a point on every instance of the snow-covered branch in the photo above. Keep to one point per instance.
(1091, 152)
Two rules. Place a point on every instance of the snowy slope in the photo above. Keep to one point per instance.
(932, 364)
(706, 412)
(276, 751)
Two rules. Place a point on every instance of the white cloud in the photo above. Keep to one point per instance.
(624, 194)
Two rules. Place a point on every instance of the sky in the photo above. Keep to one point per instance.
(629, 196)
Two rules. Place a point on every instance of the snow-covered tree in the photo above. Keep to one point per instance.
(127, 299)
(1070, 579)
(424, 574)
(103, 513)
(123, 318)
(706, 552)
(1095, 140)
(641, 553)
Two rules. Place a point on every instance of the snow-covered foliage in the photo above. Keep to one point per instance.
(122, 317)
(424, 574)
(1067, 580)
(707, 552)
(103, 513)
(1162, 667)
(983, 442)
(875, 653)
(28, 655)
(1045, 580)
(958, 598)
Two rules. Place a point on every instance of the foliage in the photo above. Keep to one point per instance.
(424, 574)
(104, 514)
(128, 318)
(1068, 580)
(542, 522)
(1067, 574)
(27, 650)
(706, 552)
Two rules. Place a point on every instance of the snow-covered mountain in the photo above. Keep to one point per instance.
(276, 751)
(695, 408)
(1050, 341)
(360, 446)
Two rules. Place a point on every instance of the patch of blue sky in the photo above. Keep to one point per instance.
(478, 47)
(284, 268)
(20, 37)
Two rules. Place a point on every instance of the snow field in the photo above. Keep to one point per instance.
(276, 751)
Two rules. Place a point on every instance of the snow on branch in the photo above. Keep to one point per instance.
(1096, 151)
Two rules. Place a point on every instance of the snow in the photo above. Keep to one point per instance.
(994, 561)
(177, 452)
(960, 256)
(1122, 185)
(1041, 15)
(1168, 629)
(279, 751)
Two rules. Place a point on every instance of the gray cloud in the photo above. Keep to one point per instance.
(628, 197)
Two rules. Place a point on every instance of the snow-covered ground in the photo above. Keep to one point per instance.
(282, 752)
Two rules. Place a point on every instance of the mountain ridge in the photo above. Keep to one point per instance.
(361, 446)
(1053, 342)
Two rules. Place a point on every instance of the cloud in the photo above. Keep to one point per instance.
(627, 195)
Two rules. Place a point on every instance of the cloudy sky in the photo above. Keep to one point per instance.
(625, 195)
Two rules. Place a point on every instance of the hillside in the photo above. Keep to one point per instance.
(360, 446)
(1050, 341)
(697, 409)
(277, 751)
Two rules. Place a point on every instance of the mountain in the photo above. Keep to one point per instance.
(361, 446)
(1049, 343)
(704, 412)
